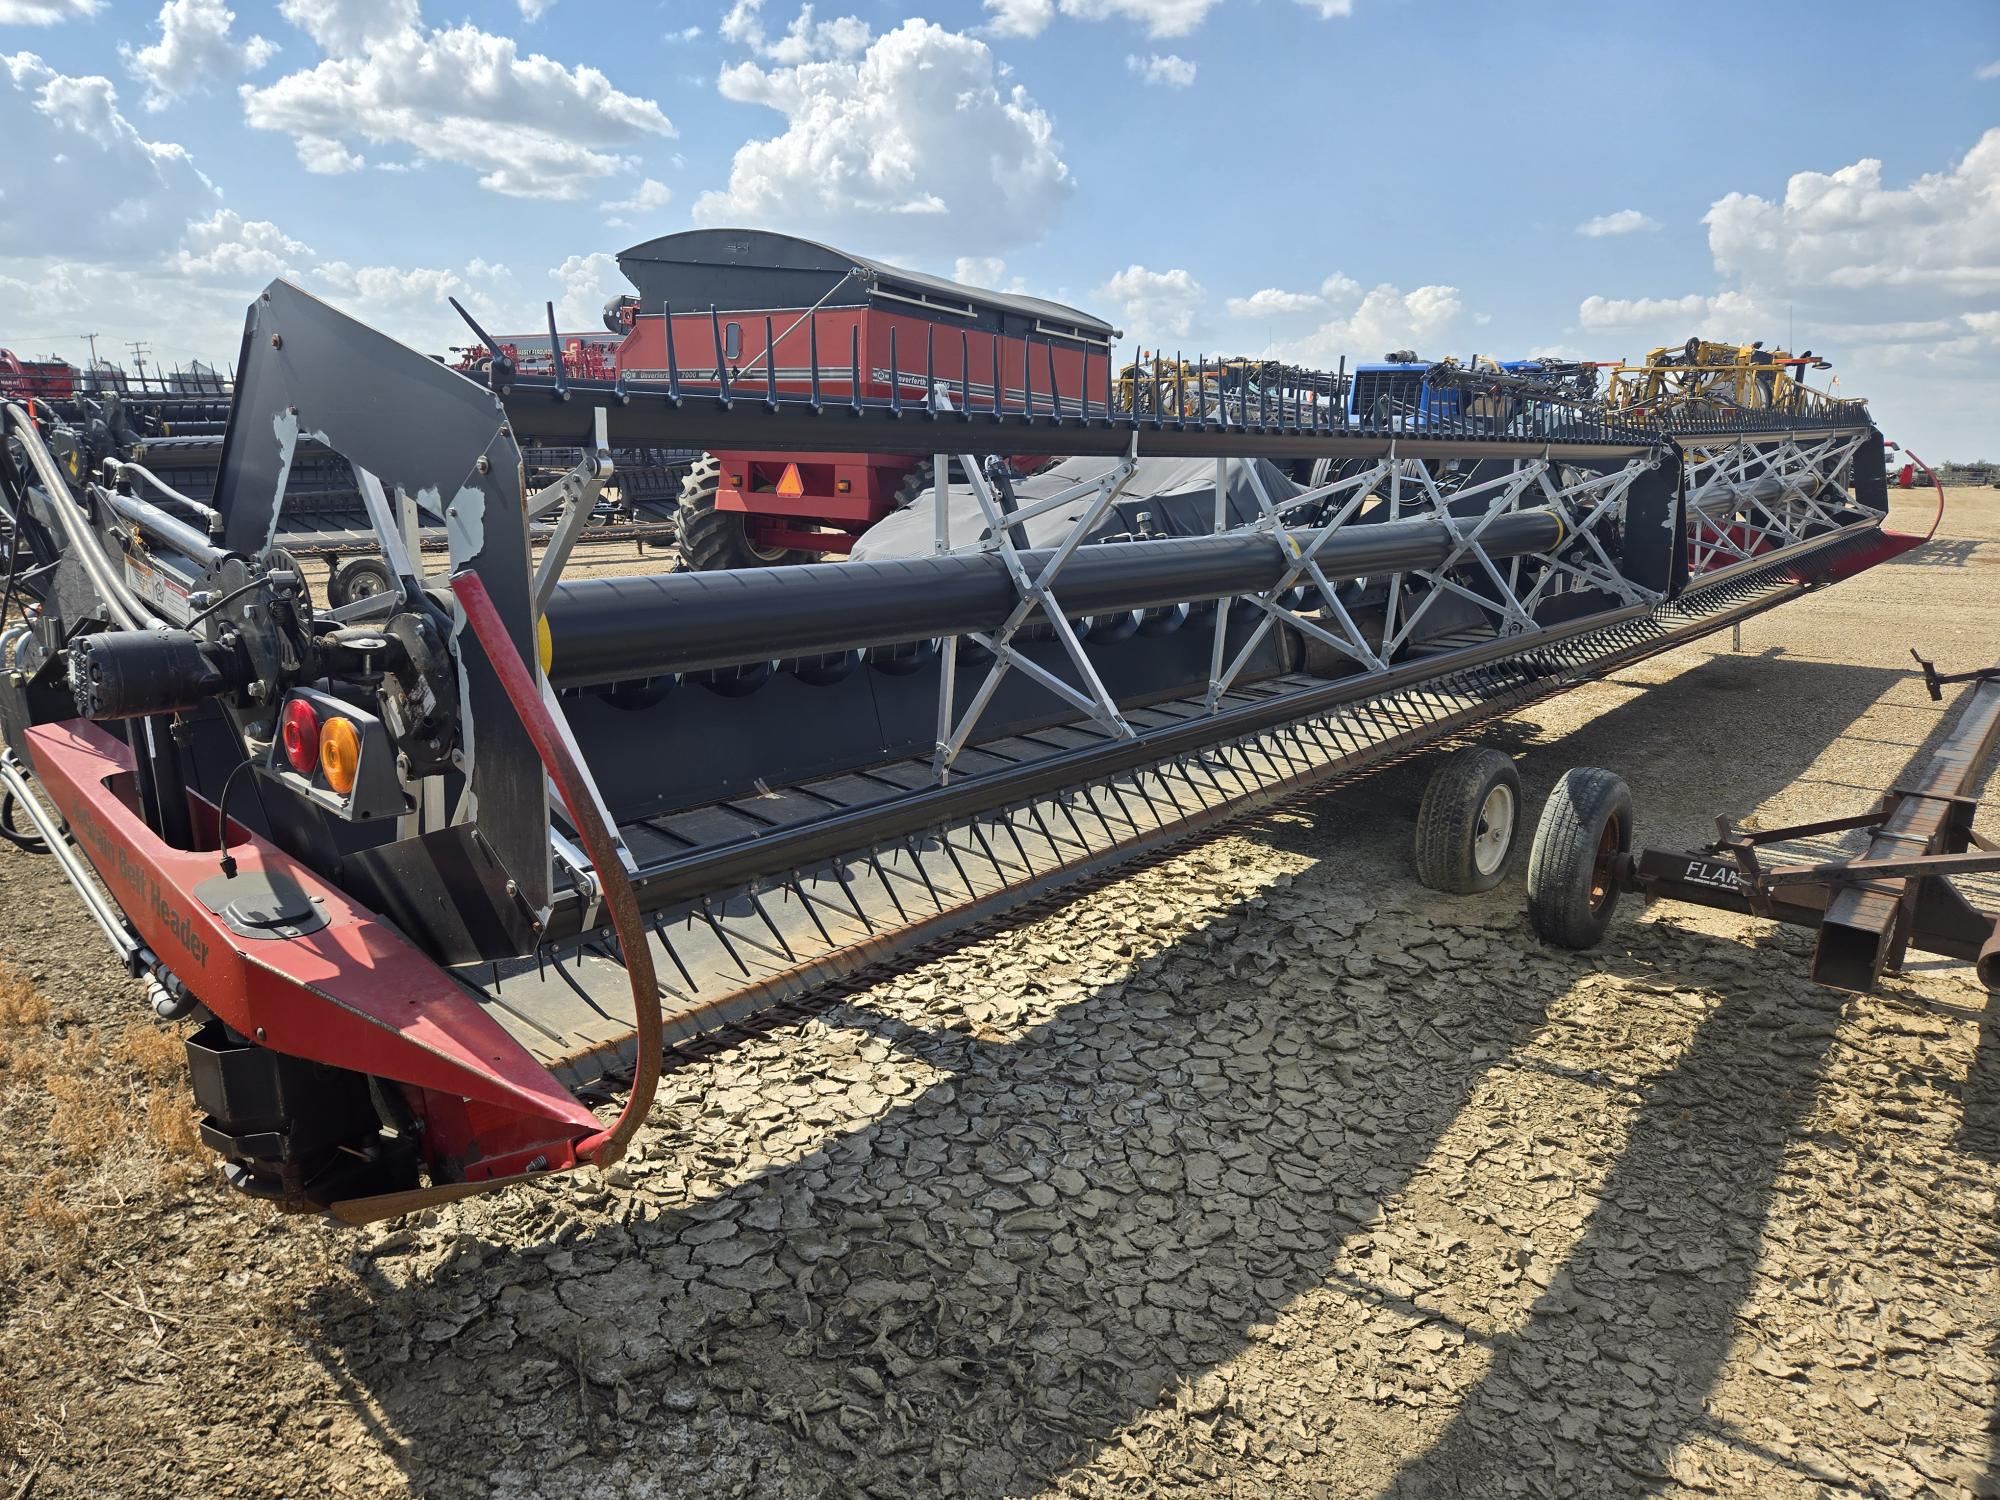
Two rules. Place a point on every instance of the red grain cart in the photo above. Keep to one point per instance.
(765, 311)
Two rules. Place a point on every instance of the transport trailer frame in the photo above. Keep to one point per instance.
(1869, 910)
(526, 828)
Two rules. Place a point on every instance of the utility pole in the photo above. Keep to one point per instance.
(139, 352)
(90, 339)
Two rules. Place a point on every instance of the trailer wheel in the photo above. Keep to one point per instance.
(362, 578)
(1467, 823)
(1571, 892)
(711, 539)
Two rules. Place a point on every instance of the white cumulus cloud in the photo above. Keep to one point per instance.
(531, 127)
(195, 50)
(324, 157)
(1386, 318)
(1625, 221)
(1168, 71)
(346, 28)
(46, 12)
(1898, 282)
(587, 283)
(1151, 303)
(803, 41)
(1273, 302)
(225, 248)
(913, 146)
(131, 240)
(1159, 18)
(1630, 312)
(1344, 318)
(99, 188)
(1846, 229)
(646, 198)
(987, 271)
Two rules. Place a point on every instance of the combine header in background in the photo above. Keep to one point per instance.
(36, 380)
(425, 866)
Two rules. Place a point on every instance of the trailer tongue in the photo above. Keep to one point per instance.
(428, 865)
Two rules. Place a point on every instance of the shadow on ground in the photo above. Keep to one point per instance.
(1723, 737)
(983, 1286)
(1610, 1374)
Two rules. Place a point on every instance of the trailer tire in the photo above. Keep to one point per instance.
(362, 578)
(712, 540)
(1571, 896)
(1467, 823)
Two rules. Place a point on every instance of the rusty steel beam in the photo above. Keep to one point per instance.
(1868, 924)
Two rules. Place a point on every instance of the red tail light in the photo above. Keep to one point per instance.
(301, 736)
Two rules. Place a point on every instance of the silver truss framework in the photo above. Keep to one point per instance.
(1746, 500)
(1518, 586)
(1036, 592)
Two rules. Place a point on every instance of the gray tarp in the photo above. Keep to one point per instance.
(1177, 496)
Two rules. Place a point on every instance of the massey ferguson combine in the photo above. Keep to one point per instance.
(433, 872)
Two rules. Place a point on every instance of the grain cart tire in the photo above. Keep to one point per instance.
(711, 539)
(1571, 892)
(1467, 824)
(360, 579)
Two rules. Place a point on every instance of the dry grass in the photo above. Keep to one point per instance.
(22, 1009)
(108, 1114)
(21, 1004)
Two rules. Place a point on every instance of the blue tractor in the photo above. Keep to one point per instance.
(1491, 394)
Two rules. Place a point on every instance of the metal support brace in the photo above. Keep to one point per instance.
(948, 647)
(577, 491)
(388, 530)
(1725, 480)
(1508, 488)
(1038, 593)
(568, 738)
(1302, 561)
(1605, 494)
(1221, 605)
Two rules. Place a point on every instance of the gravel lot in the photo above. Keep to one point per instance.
(1261, 1171)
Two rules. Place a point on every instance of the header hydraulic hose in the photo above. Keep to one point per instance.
(125, 608)
(599, 843)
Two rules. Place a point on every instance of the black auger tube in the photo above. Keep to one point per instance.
(624, 629)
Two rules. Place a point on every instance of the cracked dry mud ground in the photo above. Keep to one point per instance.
(1259, 1172)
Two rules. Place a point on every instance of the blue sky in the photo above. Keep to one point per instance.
(1304, 177)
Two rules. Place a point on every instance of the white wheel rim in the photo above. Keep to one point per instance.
(1496, 830)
